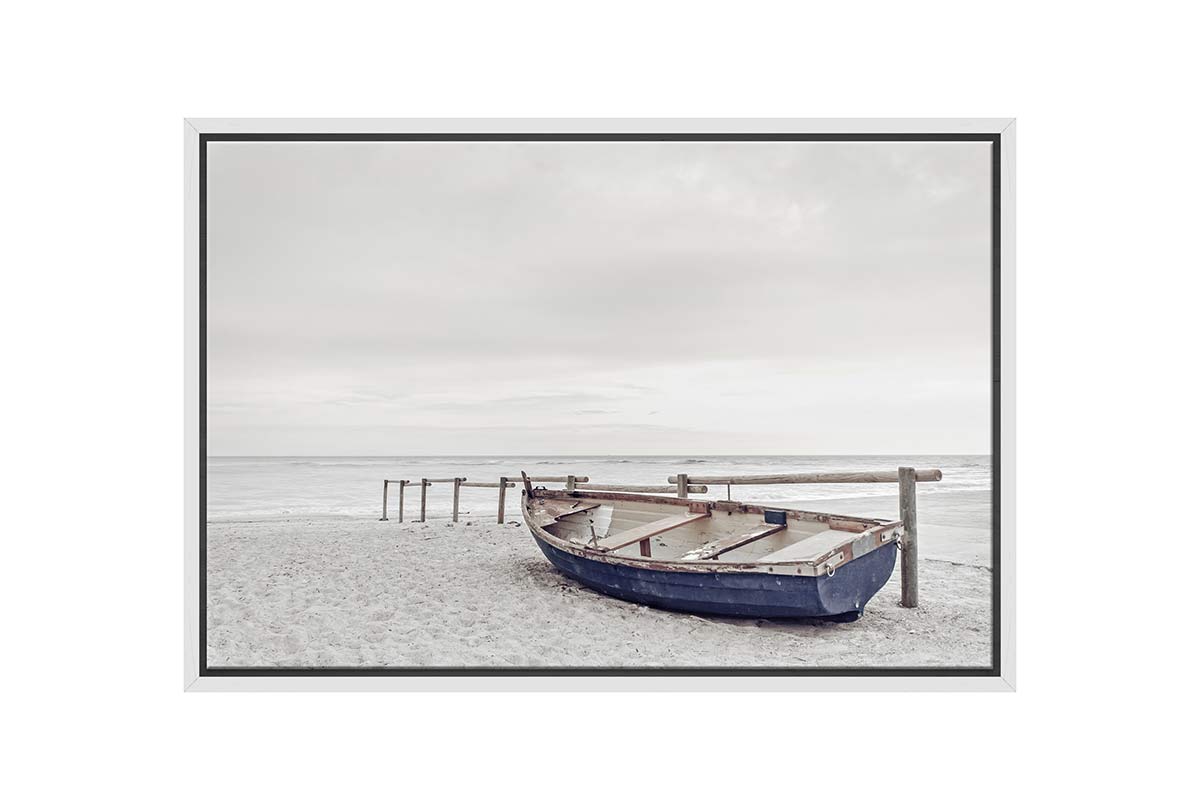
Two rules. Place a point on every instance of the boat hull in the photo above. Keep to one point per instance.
(841, 597)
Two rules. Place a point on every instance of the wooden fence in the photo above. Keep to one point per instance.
(507, 482)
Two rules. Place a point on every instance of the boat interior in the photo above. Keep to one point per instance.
(668, 529)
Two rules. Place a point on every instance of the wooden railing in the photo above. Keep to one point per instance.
(507, 482)
(886, 477)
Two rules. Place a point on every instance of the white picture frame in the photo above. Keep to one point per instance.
(1002, 675)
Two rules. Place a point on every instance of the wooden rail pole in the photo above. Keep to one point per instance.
(908, 553)
(667, 490)
(400, 515)
(385, 483)
(503, 489)
(682, 485)
(457, 484)
(424, 489)
(546, 479)
(888, 477)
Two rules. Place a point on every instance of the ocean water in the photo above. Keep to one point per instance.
(353, 486)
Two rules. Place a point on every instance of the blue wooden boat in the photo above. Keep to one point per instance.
(713, 557)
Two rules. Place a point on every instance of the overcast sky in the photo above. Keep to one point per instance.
(625, 298)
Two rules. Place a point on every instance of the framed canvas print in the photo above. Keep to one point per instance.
(599, 404)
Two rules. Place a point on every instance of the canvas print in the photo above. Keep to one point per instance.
(617, 404)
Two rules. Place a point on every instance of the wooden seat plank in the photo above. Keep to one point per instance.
(645, 532)
(809, 549)
(712, 550)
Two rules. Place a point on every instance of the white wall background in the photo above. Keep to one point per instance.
(91, 327)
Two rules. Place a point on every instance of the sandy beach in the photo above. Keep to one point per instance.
(355, 591)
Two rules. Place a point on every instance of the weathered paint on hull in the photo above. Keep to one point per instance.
(750, 595)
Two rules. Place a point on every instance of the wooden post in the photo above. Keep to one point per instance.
(644, 547)
(424, 489)
(385, 483)
(503, 489)
(400, 516)
(682, 485)
(908, 554)
(570, 483)
(457, 484)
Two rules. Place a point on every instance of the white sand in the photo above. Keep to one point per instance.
(352, 591)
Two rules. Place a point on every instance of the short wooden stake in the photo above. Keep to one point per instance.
(385, 483)
(424, 489)
(644, 547)
(400, 512)
(503, 489)
(908, 553)
(457, 484)
(570, 483)
(682, 485)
